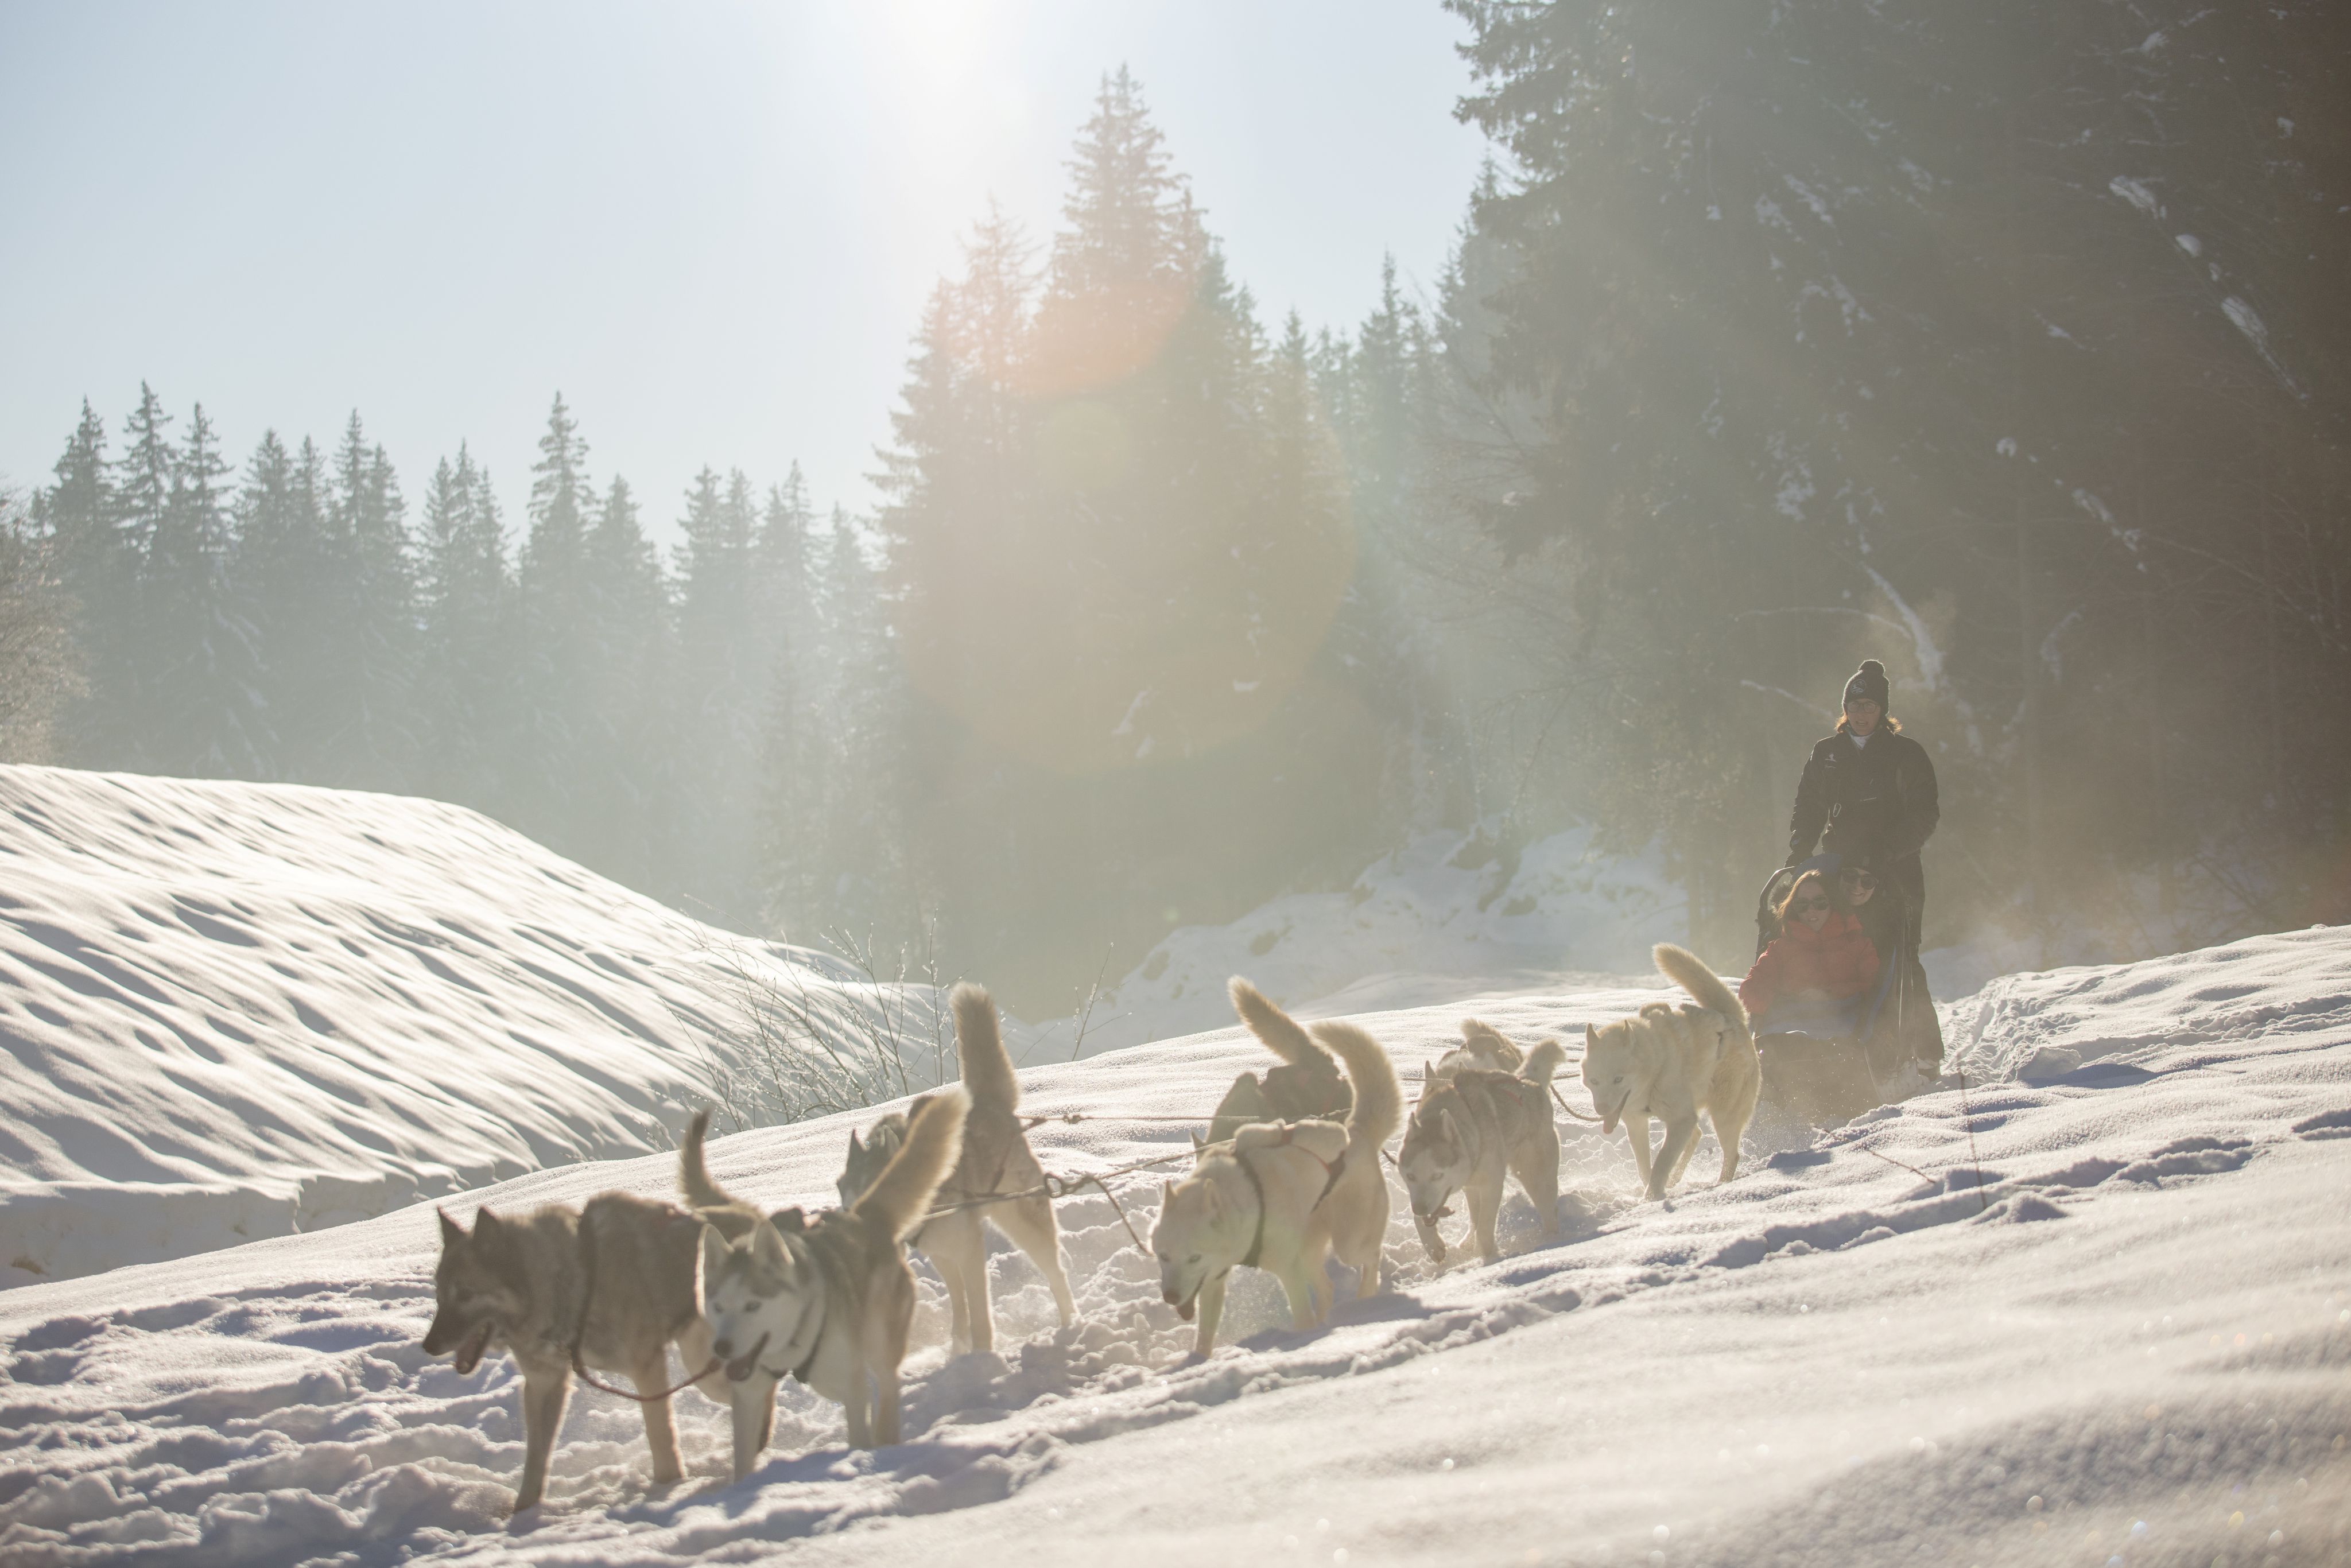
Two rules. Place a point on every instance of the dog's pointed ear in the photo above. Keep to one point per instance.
(767, 1248)
(485, 1223)
(452, 1233)
(855, 1148)
(1451, 1129)
(1198, 1143)
(711, 1256)
(1216, 1201)
(1166, 1193)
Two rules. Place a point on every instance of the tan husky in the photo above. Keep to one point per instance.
(1305, 1086)
(1482, 1046)
(614, 1280)
(1672, 1064)
(1474, 1125)
(1283, 1197)
(996, 1159)
(827, 1300)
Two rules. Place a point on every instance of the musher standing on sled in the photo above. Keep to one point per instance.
(1871, 790)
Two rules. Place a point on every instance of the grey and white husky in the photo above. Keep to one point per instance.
(1474, 1125)
(827, 1300)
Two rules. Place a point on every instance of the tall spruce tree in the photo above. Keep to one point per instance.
(97, 574)
(465, 668)
(205, 714)
(721, 678)
(370, 648)
(558, 720)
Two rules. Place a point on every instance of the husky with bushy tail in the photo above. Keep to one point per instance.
(1284, 1195)
(997, 1164)
(828, 1301)
(1675, 1063)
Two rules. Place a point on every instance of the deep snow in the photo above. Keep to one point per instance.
(239, 1010)
(2081, 1312)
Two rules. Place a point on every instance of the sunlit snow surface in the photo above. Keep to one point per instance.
(244, 1008)
(239, 1010)
(2131, 1342)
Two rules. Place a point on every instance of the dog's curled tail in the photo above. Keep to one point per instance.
(1542, 1061)
(1688, 971)
(1276, 1029)
(980, 1048)
(900, 1197)
(693, 1175)
(1378, 1109)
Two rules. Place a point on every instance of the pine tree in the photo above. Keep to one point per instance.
(788, 647)
(633, 771)
(720, 692)
(286, 592)
(97, 575)
(558, 720)
(205, 714)
(371, 653)
(465, 668)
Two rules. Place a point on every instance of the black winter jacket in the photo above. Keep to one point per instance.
(1875, 801)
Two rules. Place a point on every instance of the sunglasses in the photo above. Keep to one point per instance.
(1857, 879)
(1798, 907)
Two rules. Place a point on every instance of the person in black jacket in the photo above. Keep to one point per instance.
(1868, 793)
(1869, 797)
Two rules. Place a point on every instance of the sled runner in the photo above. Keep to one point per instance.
(1828, 1061)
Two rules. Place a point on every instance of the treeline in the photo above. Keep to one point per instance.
(299, 620)
(2007, 342)
(1122, 647)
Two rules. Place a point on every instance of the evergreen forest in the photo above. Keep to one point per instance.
(2006, 343)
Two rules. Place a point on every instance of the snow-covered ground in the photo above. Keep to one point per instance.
(239, 1010)
(1449, 911)
(2094, 1309)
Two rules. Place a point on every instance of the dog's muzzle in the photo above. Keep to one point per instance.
(1443, 1211)
(470, 1349)
(1184, 1305)
(740, 1368)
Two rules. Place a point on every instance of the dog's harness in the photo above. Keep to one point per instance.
(580, 1330)
(1332, 1169)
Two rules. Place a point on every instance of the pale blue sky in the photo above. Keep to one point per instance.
(711, 225)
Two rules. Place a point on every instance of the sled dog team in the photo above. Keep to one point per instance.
(1288, 1178)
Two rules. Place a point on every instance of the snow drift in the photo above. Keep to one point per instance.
(1449, 913)
(239, 1010)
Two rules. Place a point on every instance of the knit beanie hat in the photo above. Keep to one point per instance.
(1869, 685)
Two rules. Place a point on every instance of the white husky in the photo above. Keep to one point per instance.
(1672, 1064)
(1283, 1197)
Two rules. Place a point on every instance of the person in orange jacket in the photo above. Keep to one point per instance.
(1822, 955)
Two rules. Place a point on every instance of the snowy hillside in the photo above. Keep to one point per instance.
(1449, 911)
(236, 1010)
(2097, 1313)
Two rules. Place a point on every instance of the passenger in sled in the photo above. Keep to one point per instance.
(1828, 1006)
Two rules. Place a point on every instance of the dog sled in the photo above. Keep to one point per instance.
(1827, 1061)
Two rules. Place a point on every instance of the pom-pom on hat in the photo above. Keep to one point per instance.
(1869, 685)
